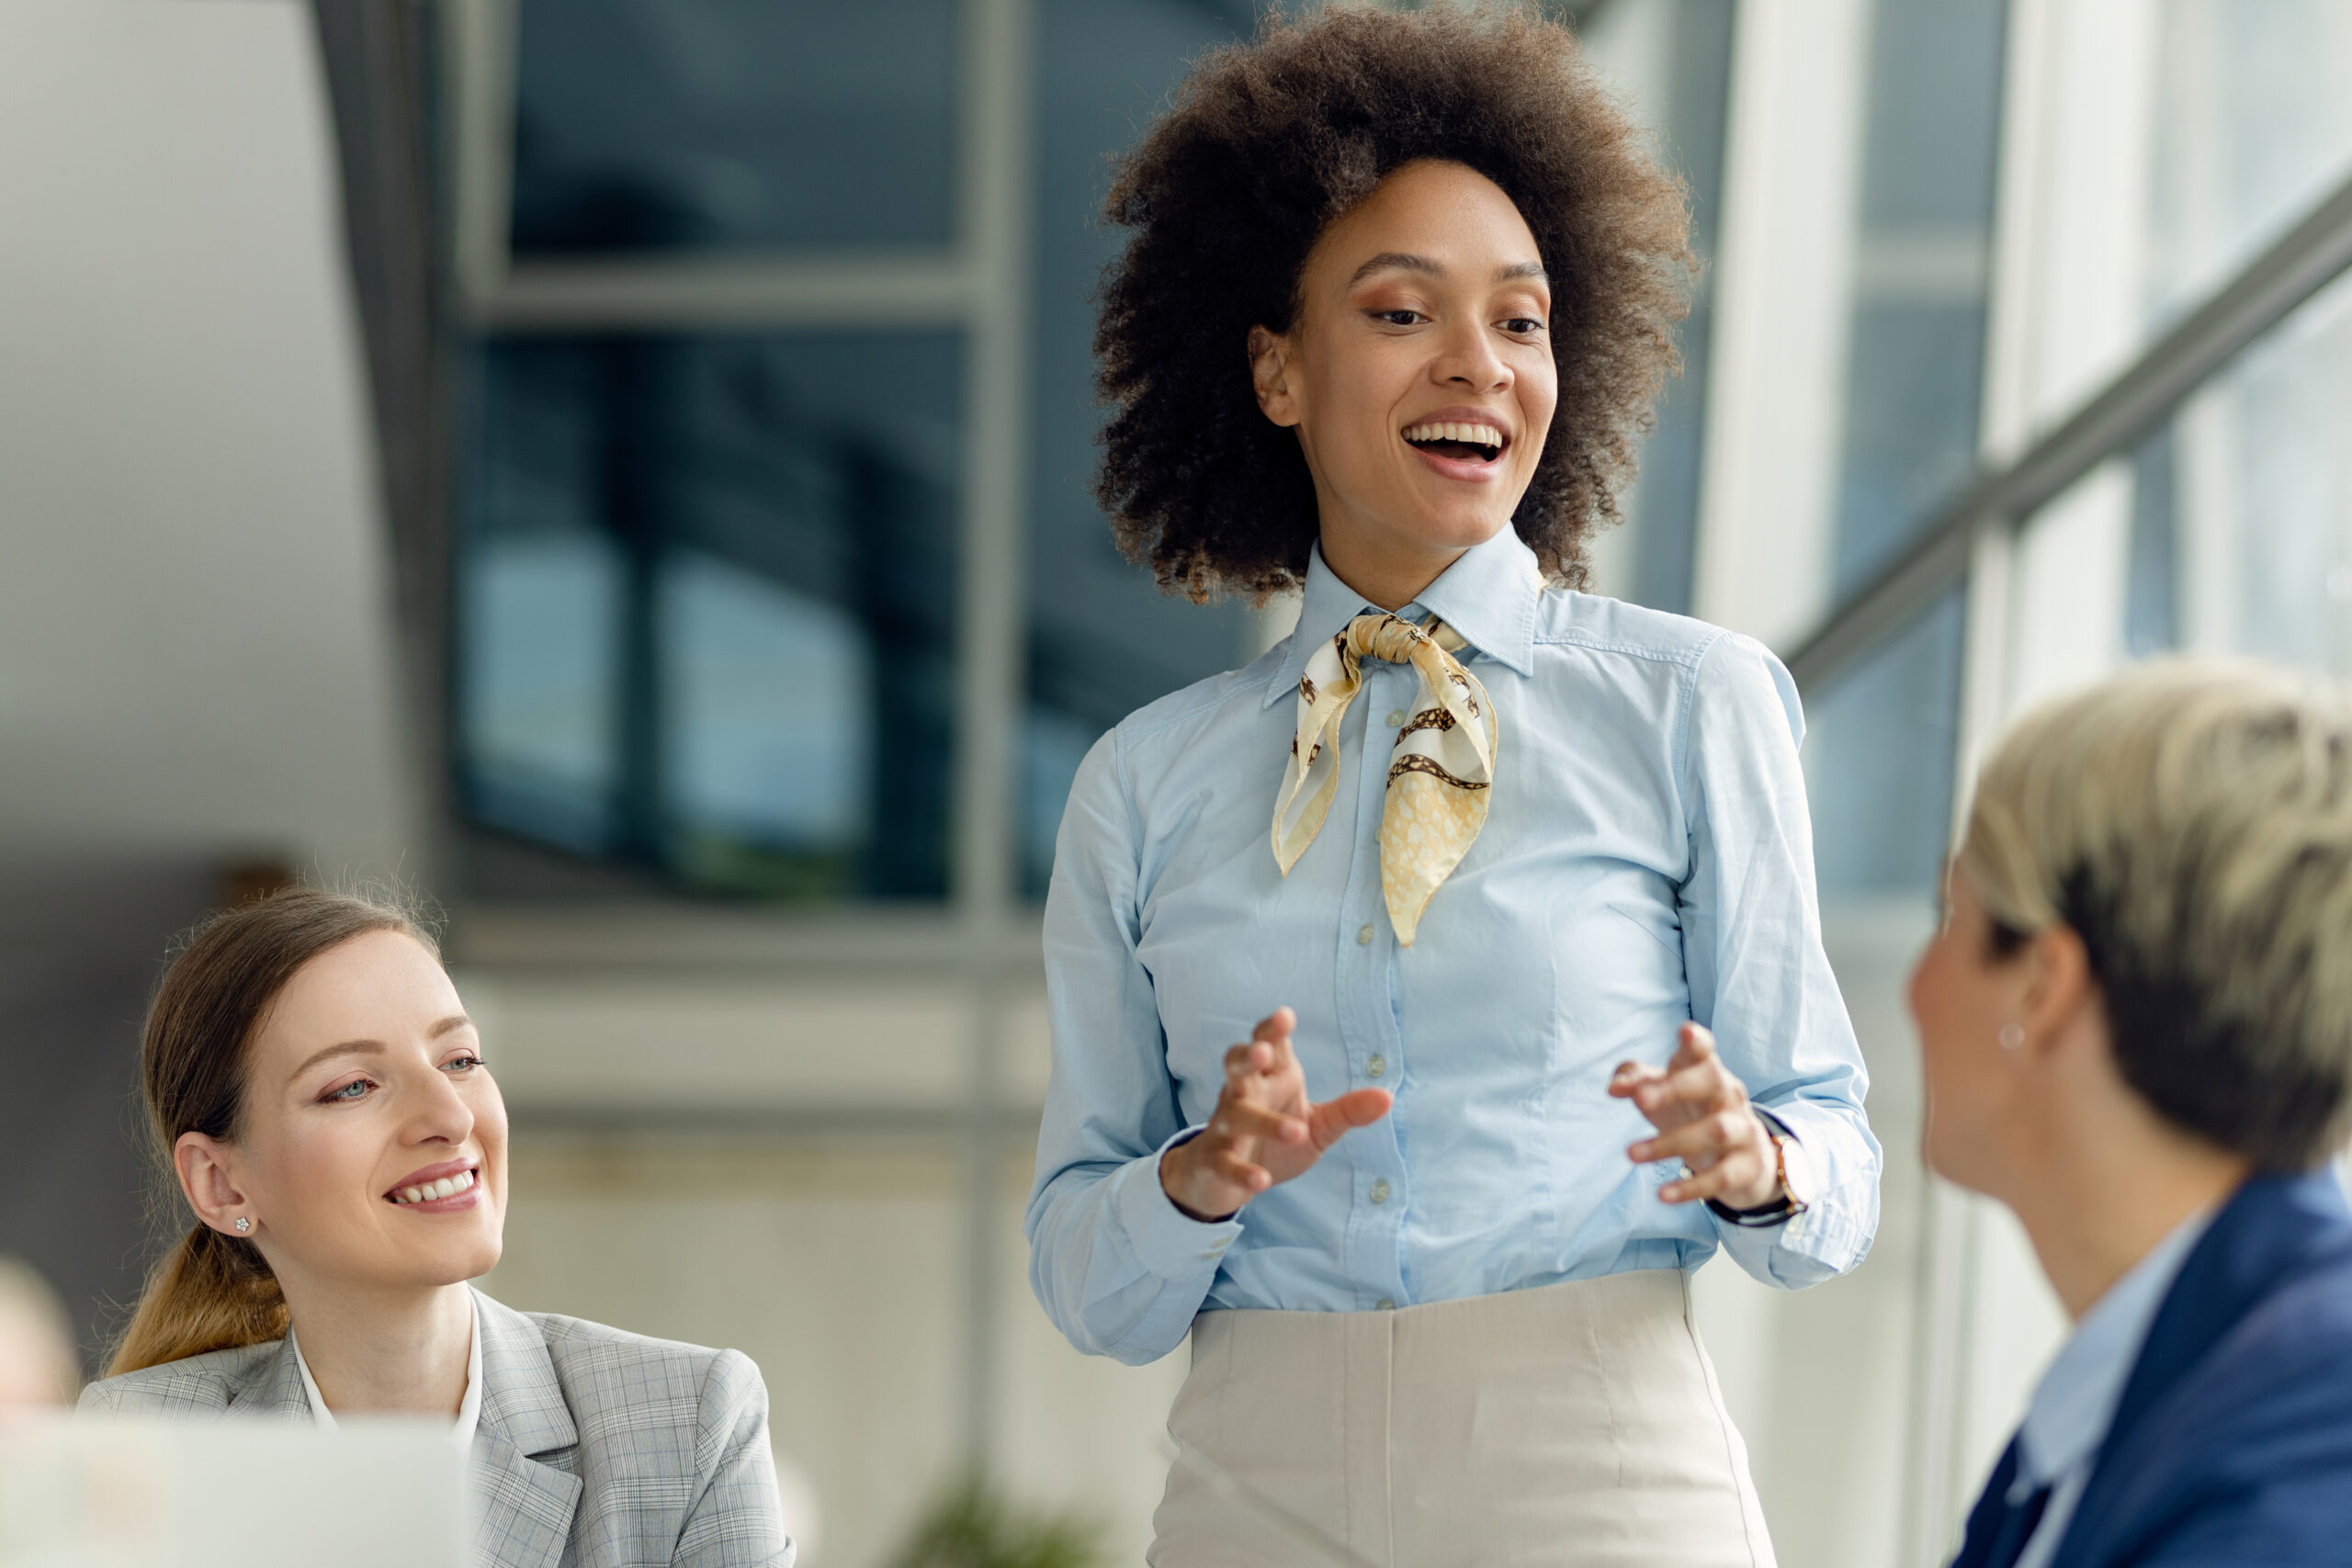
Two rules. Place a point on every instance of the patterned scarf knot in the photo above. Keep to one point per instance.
(1441, 774)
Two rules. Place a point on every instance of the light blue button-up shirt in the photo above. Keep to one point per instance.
(1647, 858)
(2065, 1425)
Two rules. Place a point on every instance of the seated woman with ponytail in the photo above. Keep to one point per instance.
(324, 1106)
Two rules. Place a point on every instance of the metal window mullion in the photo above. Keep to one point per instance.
(2308, 257)
(994, 225)
(479, 41)
(994, 222)
(890, 291)
(1949, 1220)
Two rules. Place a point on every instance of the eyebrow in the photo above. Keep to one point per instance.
(1401, 261)
(376, 1047)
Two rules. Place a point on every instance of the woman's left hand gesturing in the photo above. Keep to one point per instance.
(1700, 1109)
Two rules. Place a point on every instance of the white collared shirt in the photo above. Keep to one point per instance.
(468, 1408)
(2075, 1404)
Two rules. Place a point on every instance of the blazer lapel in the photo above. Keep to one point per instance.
(525, 1504)
(275, 1389)
(2271, 1226)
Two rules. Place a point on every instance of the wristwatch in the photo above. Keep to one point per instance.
(1798, 1186)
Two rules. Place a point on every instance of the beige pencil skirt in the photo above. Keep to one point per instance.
(1577, 1425)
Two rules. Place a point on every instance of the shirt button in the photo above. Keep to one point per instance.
(1363, 936)
(1377, 1067)
(1380, 1191)
(1395, 718)
(1384, 1305)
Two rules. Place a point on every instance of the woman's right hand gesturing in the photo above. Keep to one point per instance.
(1264, 1128)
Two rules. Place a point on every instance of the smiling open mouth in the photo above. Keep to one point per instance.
(429, 1191)
(1464, 442)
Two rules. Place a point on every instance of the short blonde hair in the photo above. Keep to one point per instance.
(2191, 821)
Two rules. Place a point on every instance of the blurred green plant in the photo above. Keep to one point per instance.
(970, 1525)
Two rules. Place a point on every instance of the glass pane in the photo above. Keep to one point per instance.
(771, 712)
(652, 125)
(703, 580)
(1879, 757)
(2252, 128)
(2241, 509)
(536, 689)
(1916, 383)
(1102, 641)
(1921, 270)
(1683, 94)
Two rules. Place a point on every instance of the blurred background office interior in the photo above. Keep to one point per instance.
(621, 468)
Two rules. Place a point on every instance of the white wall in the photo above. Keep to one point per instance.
(195, 643)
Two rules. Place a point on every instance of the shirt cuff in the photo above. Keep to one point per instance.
(1166, 1241)
(1833, 1234)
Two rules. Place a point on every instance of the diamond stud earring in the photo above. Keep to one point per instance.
(2012, 1037)
(244, 1223)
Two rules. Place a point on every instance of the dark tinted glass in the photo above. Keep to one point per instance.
(673, 124)
(1879, 757)
(705, 586)
(1930, 156)
(1103, 640)
(1664, 506)
(1915, 369)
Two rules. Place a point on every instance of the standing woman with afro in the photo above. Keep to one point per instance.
(1430, 997)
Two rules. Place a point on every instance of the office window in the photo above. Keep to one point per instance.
(1690, 86)
(1880, 760)
(711, 632)
(1102, 641)
(706, 610)
(1922, 273)
(665, 125)
(2242, 504)
(1881, 755)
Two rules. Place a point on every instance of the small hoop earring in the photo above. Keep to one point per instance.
(244, 1223)
(2012, 1037)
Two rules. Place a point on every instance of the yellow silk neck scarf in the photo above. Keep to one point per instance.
(1443, 766)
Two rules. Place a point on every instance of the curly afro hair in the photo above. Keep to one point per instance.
(1265, 145)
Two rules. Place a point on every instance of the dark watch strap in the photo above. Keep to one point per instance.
(1777, 1212)
(1780, 1210)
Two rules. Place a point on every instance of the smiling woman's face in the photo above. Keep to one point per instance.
(371, 1151)
(1419, 371)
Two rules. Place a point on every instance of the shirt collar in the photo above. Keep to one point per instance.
(1488, 595)
(2075, 1403)
(468, 1408)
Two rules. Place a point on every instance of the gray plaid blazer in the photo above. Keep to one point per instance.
(596, 1449)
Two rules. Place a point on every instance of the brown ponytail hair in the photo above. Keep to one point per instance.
(212, 1291)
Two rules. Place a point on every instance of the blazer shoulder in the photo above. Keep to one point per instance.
(2287, 1366)
(193, 1385)
(2255, 1444)
(606, 1368)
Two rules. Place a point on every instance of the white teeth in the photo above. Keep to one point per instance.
(447, 1186)
(1477, 435)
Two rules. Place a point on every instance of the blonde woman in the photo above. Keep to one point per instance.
(2137, 1032)
(328, 1115)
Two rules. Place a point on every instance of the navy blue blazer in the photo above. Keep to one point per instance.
(2233, 1442)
